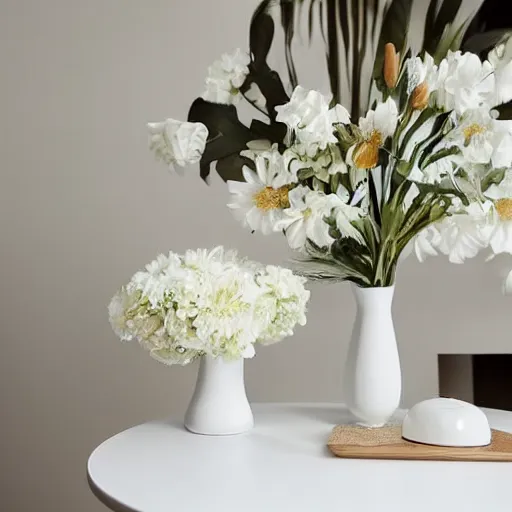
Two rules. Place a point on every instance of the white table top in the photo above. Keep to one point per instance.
(282, 465)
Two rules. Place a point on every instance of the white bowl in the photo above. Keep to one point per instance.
(446, 422)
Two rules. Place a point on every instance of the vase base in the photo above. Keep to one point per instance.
(219, 433)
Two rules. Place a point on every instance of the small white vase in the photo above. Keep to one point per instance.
(372, 379)
(219, 405)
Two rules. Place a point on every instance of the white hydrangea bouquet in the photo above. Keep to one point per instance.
(412, 150)
(181, 307)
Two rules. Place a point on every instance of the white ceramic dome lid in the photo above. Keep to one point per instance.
(446, 422)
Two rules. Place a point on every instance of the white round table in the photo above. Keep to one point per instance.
(283, 465)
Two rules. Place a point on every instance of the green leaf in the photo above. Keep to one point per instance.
(261, 34)
(288, 21)
(333, 51)
(495, 177)
(430, 21)
(505, 110)
(226, 134)
(453, 150)
(230, 167)
(483, 42)
(270, 85)
(274, 132)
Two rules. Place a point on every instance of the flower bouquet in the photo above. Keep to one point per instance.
(214, 306)
(418, 158)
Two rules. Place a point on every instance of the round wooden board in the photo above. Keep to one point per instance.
(354, 442)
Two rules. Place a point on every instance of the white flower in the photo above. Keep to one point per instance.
(375, 128)
(427, 242)
(464, 82)
(421, 71)
(176, 142)
(502, 190)
(225, 77)
(465, 233)
(483, 139)
(501, 61)
(308, 115)
(305, 218)
(259, 202)
(346, 214)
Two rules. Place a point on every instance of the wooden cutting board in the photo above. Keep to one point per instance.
(354, 442)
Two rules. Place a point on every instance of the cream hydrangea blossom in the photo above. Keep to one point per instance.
(225, 77)
(176, 142)
(212, 303)
(282, 305)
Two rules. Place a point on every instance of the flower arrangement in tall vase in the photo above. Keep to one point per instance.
(417, 156)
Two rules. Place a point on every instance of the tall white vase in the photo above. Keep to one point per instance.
(219, 405)
(373, 381)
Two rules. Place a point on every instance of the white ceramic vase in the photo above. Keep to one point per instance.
(219, 405)
(372, 378)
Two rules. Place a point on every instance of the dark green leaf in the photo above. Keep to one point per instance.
(430, 20)
(288, 22)
(333, 51)
(482, 43)
(270, 85)
(274, 132)
(226, 134)
(505, 111)
(261, 34)
(343, 21)
(357, 60)
(230, 167)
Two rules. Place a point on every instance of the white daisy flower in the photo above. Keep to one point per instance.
(259, 202)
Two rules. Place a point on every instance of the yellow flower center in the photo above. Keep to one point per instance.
(504, 208)
(272, 198)
(471, 130)
(366, 155)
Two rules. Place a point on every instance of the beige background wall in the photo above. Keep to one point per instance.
(83, 205)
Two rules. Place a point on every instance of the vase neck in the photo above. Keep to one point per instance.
(374, 298)
(217, 367)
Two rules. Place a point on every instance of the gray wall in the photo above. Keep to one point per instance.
(83, 205)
